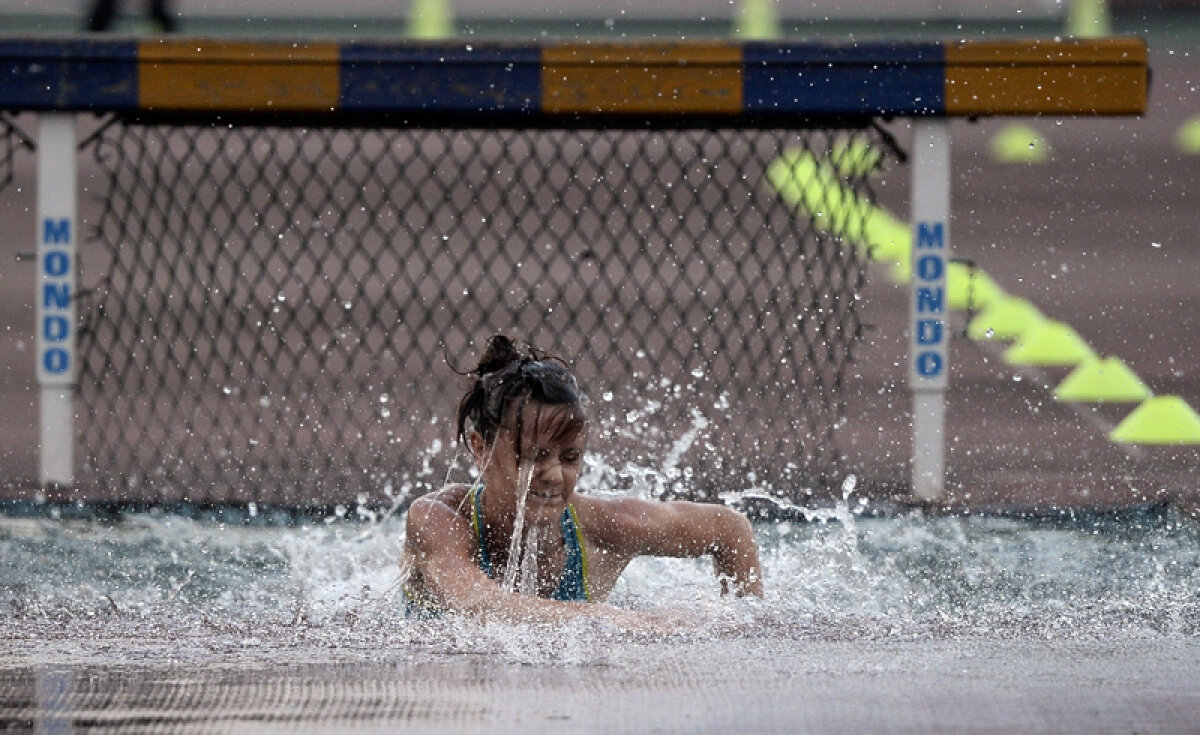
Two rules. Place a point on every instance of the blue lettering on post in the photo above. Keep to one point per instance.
(931, 301)
(56, 231)
(56, 361)
(55, 328)
(56, 296)
(929, 364)
(57, 263)
(931, 236)
(930, 267)
(929, 331)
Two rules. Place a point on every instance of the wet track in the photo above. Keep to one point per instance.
(888, 687)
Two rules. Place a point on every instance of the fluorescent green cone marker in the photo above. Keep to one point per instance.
(1102, 381)
(430, 19)
(886, 238)
(786, 178)
(1005, 319)
(1159, 420)
(901, 271)
(1088, 19)
(757, 20)
(1018, 143)
(968, 288)
(1187, 139)
(855, 158)
(798, 178)
(813, 186)
(1049, 344)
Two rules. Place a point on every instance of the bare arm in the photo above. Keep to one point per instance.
(683, 529)
(441, 544)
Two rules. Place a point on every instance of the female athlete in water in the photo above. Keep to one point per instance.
(525, 422)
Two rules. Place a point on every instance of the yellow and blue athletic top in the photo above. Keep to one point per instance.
(572, 584)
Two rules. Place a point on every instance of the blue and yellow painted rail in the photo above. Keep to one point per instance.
(772, 81)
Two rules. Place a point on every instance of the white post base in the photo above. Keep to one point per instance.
(929, 421)
(57, 437)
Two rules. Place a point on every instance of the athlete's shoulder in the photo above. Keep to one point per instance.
(445, 501)
(438, 519)
(452, 494)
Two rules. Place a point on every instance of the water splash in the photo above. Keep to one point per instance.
(648, 478)
(839, 511)
(831, 574)
(528, 580)
(191, 587)
(524, 480)
(670, 463)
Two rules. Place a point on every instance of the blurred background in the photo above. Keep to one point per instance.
(1094, 220)
(614, 18)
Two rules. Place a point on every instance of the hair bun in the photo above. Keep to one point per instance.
(499, 353)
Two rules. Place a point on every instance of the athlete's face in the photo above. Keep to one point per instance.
(549, 449)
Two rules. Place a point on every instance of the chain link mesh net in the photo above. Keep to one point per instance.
(12, 139)
(274, 314)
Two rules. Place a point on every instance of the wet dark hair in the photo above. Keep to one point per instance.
(511, 374)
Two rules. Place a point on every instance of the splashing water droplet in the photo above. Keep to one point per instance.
(848, 486)
(524, 479)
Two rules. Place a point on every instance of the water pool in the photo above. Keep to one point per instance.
(905, 623)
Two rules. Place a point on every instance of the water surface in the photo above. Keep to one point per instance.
(113, 588)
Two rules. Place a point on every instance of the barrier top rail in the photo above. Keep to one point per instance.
(665, 81)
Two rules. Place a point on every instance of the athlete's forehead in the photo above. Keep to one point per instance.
(549, 426)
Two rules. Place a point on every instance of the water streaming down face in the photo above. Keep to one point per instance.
(524, 480)
(528, 580)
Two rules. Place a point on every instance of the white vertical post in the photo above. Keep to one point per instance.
(56, 238)
(929, 327)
